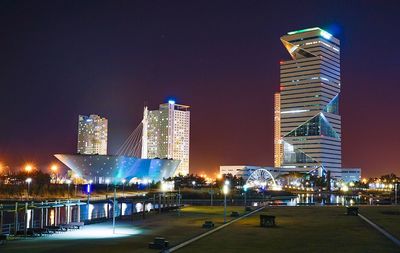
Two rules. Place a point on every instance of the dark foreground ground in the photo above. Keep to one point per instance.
(300, 229)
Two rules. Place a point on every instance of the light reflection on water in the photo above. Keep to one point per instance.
(326, 199)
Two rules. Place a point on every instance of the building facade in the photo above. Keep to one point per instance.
(345, 175)
(309, 127)
(278, 147)
(92, 135)
(166, 134)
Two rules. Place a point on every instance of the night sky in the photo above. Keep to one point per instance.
(60, 59)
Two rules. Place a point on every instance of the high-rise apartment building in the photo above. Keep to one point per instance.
(166, 134)
(309, 127)
(92, 135)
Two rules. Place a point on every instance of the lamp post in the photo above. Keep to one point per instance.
(107, 182)
(225, 190)
(88, 191)
(395, 192)
(194, 184)
(123, 187)
(245, 187)
(28, 182)
(179, 201)
(54, 169)
(68, 181)
(114, 200)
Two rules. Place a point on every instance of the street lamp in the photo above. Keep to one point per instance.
(245, 187)
(194, 184)
(107, 182)
(68, 181)
(28, 168)
(28, 182)
(54, 170)
(88, 191)
(225, 190)
(123, 187)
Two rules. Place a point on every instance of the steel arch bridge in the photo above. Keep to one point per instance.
(262, 178)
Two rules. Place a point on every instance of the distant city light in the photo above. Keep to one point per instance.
(28, 168)
(225, 188)
(54, 168)
(167, 186)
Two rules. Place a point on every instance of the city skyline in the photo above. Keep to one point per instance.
(54, 75)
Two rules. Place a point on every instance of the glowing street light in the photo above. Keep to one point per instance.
(68, 182)
(225, 190)
(54, 168)
(28, 168)
(28, 182)
(194, 184)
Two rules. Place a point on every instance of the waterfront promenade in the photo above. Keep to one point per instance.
(316, 229)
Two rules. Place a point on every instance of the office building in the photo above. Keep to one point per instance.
(92, 135)
(166, 134)
(309, 127)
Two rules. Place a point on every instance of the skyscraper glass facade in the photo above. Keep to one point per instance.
(309, 123)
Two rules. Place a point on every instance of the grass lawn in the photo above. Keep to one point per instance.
(130, 237)
(300, 229)
(387, 217)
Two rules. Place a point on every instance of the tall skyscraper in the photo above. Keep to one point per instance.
(92, 135)
(278, 147)
(309, 127)
(166, 134)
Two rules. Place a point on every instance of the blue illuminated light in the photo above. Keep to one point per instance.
(326, 35)
(88, 188)
(172, 102)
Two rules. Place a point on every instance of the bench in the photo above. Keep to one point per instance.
(159, 243)
(234, 214)
(352, 210)
(77, 225)
(208, 224)
(267, 221)
(55, 229)
(3, 239)
(29, 233)
(38, 231)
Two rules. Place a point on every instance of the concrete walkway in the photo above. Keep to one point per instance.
(381, 230)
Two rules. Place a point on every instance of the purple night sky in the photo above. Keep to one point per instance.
(64, 58)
